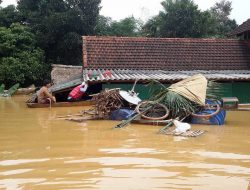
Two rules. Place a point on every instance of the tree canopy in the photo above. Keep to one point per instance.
(59, 25)
(20, 58)
(129, 27)
(9, 15)
(221, 12)
(182, 18)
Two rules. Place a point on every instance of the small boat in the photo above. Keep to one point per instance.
(61, 104)
(25, 91)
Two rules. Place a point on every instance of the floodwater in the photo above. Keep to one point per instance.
(38, 151)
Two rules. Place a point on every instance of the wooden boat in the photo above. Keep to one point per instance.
(61, 104)
(25, 91)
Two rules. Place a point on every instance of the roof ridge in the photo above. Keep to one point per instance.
(245, 26)
(164, 39)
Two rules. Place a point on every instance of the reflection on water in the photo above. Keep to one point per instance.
(39, 151)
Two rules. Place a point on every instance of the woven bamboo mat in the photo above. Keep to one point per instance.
(189, 133)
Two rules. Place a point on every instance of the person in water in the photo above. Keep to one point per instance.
(77, 93)
(43, 95)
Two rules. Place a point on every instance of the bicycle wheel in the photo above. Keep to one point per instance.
(152, 111)
(215, 107)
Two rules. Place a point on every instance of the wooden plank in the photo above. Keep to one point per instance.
(244, 105)
(61, 104)
(151, 122)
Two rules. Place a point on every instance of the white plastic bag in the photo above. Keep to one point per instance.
(181, 127)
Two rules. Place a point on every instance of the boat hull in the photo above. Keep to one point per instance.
(60, 104)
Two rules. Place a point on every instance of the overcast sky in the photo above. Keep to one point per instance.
(144, 9)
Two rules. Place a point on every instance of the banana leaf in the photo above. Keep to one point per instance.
(12, 89)
(2, 88)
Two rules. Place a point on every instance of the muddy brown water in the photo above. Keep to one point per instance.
(40, 152)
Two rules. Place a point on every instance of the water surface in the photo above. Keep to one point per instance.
(41, 152)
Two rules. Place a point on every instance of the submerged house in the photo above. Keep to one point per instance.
(116, 62)
(168, 60)
(242, 31)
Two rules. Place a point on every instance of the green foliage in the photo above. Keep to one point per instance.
(59, 26)
(20, 60)
(152, 27)
(103, 27)
(9, 15)
(221, 12)
(13, 89)
(129, 27)
(2, 87)
(126, 27)
(178, 105)
(181, 18)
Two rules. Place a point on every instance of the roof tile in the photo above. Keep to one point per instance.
(165, 53)
(245, 26)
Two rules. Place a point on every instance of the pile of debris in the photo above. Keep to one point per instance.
(106, 102)
(179, 101)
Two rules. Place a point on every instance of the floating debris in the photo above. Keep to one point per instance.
(189, 133)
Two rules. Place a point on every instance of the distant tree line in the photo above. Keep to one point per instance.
(37, 33)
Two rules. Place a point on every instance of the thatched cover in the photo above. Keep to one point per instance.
(193, 88)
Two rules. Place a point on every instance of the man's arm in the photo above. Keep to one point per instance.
(49, 95)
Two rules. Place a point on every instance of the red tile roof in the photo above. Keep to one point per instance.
(245, 26)
(165, 53)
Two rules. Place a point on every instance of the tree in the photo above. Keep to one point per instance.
(103, 27)
(126, 27)
(20, 59)
(180, 18)
(221, 12)
(9, 15)
(152, 27)
(59, 26)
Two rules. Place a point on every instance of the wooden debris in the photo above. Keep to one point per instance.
(81, 119)
(106, 102)
(150, 122)
(70, 115)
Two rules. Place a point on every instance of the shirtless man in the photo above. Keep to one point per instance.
(43, 95)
